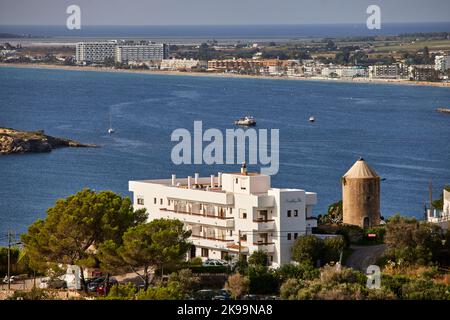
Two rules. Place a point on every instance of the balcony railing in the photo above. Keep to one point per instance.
(265, 246)
(265, 224)
(263, 220)
(210, 238)
(261, 243)
(197, 214)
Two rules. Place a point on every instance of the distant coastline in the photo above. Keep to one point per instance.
(224, 75)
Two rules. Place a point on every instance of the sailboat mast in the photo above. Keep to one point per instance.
(430, 190)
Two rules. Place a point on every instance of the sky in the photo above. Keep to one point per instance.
(220, 12)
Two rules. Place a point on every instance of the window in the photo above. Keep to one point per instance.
(243, 237)
(289, 236)
(242, 214)
(154, 200)
(140, 200)
(237, 180)
(295, 213)
(295, 236)
(205, 253)
(289, 213)
(231, 233)
(161, 201)
(243, 184)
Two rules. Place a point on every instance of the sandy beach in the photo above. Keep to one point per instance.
(224, 75)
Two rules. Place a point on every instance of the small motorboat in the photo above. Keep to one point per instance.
(312, 119)
(110, 130)
(245, 121)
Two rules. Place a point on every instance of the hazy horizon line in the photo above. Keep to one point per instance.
(218, 25)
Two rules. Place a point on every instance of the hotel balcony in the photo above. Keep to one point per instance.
(268, 247)
(198, 218)
(214, 243)
(264, 225)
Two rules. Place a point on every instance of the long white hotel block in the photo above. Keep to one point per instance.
(217, 209)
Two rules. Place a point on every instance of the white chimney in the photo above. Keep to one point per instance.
(212, 181)
(173, 179)
(189, 182)
(196, 178)
(219, 179)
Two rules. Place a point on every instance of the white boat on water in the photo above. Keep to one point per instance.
(312, 119)
(110, 130)
(245, 121)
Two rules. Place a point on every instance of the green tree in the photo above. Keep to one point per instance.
(333, 247)
(258, 258)
(262, 280)
(307, 249)
(76, 226)
(334, 214)
(159, 243)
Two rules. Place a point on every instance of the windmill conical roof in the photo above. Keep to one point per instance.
(361, 170)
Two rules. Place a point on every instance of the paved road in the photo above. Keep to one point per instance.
(364, 256)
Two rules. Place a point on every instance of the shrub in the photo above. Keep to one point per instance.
(122, 292)
(34, 294)
(290, 288)
(302, 271)
(425, 290)
(197, 261)
(332, 275)
(238, 285)
(209, 269)
(186, 281)
(169, 292)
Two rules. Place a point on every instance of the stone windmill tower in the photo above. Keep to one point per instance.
(361, 195)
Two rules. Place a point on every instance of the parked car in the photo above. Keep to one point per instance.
(214, 263)
(93, 283)
(12, 279)
(101, 287)
(52, 283)
(97, 284)
(205, 294)
(222, 294)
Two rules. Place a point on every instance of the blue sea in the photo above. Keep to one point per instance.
(394, 127)
(221, 32)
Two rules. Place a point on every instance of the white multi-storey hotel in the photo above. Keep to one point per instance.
(95, 51)
(142, 51)
(221, 209)
(121, 51)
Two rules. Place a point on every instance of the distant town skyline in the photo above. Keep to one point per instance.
(214, 12)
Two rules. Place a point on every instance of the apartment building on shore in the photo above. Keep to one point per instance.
(120, 51)
(95, 52)
(231, 213)
(389, 71)
(141, 52)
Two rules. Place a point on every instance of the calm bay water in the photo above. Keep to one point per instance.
(180, 34)
(393, 127)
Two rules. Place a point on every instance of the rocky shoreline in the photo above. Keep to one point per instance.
(17, 141)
